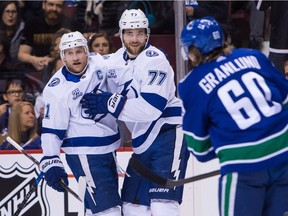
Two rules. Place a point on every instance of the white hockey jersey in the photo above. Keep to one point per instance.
(148, 83)
(66, 125)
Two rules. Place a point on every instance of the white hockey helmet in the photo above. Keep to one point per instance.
(71, 40)
(133, 19)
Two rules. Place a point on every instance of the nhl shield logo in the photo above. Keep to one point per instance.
(16, 182)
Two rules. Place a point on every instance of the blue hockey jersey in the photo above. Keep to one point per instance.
(234, 108)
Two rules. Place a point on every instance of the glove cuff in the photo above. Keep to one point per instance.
(50, 161)
(115, 104)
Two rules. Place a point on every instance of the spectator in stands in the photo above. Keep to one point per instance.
(56, 62)
(8, 66)
(100, 43)
(23, 127)
(219, 10)
(278, 46)
(14, 92)
(198, 9)
(111, 13)
(38, 32)
(12, 24)
(30, 9)
(4, 53)
(160, 15)
(256, 21)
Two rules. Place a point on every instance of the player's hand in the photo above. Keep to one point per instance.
(53, 170)
(102, 103)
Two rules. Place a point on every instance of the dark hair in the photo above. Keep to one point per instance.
(93, 37)
(14, 81)
(3, 5)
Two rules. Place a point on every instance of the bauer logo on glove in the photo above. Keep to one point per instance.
(54, 172)
(52, 162)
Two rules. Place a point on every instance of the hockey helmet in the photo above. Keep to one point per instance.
(206, 34)
(133, 19)
(72, 40)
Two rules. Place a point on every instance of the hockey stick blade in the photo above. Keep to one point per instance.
(19, 148)
(164, 182)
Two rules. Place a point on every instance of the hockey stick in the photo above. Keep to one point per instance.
(168, 183)
(19, 148)
(30, 192)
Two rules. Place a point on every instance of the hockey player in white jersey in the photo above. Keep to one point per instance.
(144, 79)
(88, 143)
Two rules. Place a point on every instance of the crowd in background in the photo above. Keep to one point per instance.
(30, 33)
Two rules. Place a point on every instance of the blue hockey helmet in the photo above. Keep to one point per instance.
(206, 34)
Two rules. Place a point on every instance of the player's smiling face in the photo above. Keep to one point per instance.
(76, 59)
(134, 40)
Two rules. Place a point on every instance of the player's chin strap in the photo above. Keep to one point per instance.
(120, 170)
(164, 182)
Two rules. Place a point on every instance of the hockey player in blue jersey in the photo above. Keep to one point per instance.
(147, 104)
(235, 109)
(89, 144)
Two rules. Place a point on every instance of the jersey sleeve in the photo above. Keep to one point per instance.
(195, 122)
(55, 121)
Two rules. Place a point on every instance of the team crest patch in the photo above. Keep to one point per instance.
(54, 82)
(16, 182)
(151, 53)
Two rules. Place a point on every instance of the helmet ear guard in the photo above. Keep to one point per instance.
(206, 34)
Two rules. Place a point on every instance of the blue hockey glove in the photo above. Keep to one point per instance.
(102, 103)
(53, 170)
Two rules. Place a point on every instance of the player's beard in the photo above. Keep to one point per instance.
(53, 17)
(134, 51)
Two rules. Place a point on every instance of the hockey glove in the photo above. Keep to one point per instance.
(53, 170)
(102, 103)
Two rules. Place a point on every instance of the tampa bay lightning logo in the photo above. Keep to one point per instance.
(54, 82)
(151, 53)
